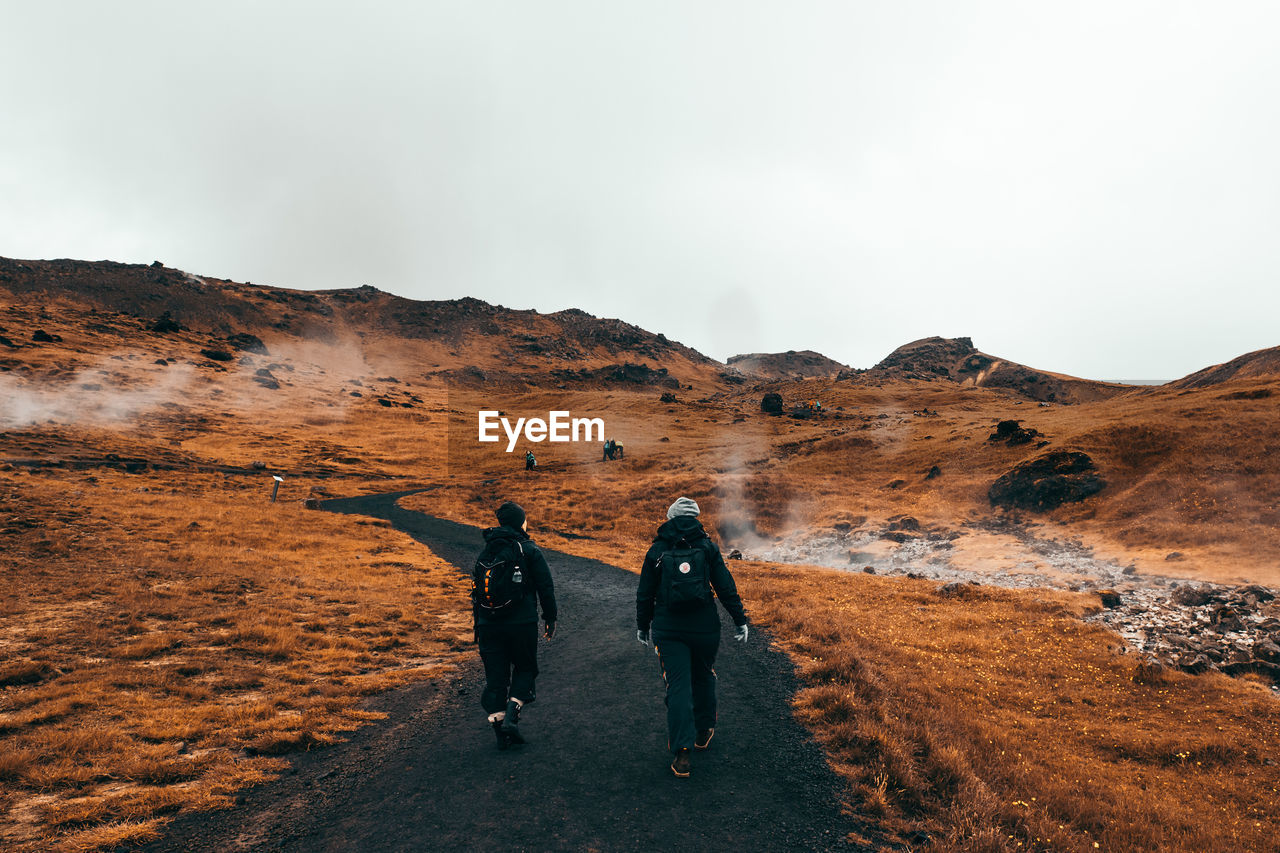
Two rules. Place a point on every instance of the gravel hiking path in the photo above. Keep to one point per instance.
(594, 775)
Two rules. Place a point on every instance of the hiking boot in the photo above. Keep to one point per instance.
(703, 740)
(510, 724)
(503, 740)
(681, 764)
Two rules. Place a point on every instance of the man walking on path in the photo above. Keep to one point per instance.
(509, 581)
(675, 600)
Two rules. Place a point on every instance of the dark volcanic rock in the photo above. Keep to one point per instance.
(248, 343)
(1109, 598)
(166, 324)
(771, 403)
(628, 373)
(1193, 596)
(216, 354)
(1013, 434)
(1047, 482)
(43, 337)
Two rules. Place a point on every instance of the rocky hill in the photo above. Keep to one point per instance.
(466, 341)
(1260, 364)
(786, 365)
(958, 360)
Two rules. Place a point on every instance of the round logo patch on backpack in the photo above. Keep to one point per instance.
(684, 568)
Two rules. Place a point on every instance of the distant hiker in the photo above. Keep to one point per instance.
(510, 579)
(680, 571)
(529, 462)
(608, 450)
(618, 450)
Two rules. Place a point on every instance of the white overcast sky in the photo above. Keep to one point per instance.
(1091, 188)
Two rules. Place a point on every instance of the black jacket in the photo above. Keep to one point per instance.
(535, 571)
(704, 620)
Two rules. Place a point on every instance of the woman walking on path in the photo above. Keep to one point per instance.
(675, 607)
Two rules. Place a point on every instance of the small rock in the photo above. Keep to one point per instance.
(953, 588)
(1110, 598)
(1193, 596)
(258, 465)
(1266, 650)
(1174, 555)
(934, 473)
(41, 336)
(870, 570)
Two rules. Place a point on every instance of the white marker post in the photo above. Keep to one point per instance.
(276, 488)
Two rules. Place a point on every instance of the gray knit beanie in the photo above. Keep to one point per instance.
(683, 506)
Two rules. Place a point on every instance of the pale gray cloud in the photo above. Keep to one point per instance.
(1088, 188)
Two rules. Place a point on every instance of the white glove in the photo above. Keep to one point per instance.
(741, 634)
(642, 636)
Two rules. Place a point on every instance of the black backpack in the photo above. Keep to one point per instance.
(497, 579)
(686, 577)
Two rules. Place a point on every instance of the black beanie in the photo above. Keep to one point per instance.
(511, 514)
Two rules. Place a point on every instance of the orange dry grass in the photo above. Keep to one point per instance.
(162, 639)
(1189, 471)
(997, 721)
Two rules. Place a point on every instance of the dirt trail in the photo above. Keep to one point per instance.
(594, 775)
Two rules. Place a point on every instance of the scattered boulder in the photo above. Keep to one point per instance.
(952, 589)
(43, 337)
(166, 325)
(1266, 650)
(1174, 555)
(771, 403)
(905, 523)
(1110, 598)
(668, 397)
(248, 343)
(1012, 434)
(258, 465)
(870, 570)
(5, 342)
(311, 503)
(1047, 482)
(934, 473)
(217, 354)
(735, 554)
(1261, 593)
(1189, 595)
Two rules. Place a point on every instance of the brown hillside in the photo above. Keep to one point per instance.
(786, 365)
(1261, 364)
(463, 341)
(957, 360)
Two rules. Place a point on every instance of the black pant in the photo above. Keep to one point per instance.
(510, 655)
(687, 662)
